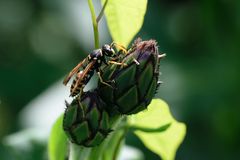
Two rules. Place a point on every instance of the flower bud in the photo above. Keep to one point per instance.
(134, 85)
(85, 122)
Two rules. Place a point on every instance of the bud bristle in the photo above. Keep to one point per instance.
(162, 55)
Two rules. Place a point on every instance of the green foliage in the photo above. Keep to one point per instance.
(125, 19)
(57, 144)
(39, 47)
(155, 127)
(163, 143)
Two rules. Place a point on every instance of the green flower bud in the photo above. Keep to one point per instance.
(134, 85)
(85, 122)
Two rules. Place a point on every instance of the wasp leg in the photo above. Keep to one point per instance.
(118, 63)
(120, 47)
(80, 104)
(78, 94)
(81, 92)
(133, 59)
(102, 81)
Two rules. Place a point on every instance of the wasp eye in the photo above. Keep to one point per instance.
(107, 49)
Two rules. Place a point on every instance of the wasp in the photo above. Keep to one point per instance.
(84, 70)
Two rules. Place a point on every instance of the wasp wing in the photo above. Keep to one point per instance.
(81, 75)
(89, 66)
(74, 71)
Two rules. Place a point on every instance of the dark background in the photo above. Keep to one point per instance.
(200, 73)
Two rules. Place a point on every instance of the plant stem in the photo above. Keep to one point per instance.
(95, 24)
(78, 152)
(119, 144)
(102, 11)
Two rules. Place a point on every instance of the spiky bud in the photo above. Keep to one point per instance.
(85, 122)
(135, 84)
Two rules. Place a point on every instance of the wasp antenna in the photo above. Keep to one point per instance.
(114, 53)
(112, 44)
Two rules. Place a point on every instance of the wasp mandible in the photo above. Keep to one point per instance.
(86, 68)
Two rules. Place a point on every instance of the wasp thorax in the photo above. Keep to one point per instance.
(85, 122)
(134, 85)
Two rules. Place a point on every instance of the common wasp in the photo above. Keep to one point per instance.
(84, 70)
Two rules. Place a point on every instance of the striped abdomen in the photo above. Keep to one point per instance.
(80, 81)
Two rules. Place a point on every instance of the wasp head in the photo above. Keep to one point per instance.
(108, 50)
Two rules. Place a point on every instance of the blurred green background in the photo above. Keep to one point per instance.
(42, 40)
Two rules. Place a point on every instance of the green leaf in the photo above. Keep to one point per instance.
(57, 144)
(166, 143)
(125, 19)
